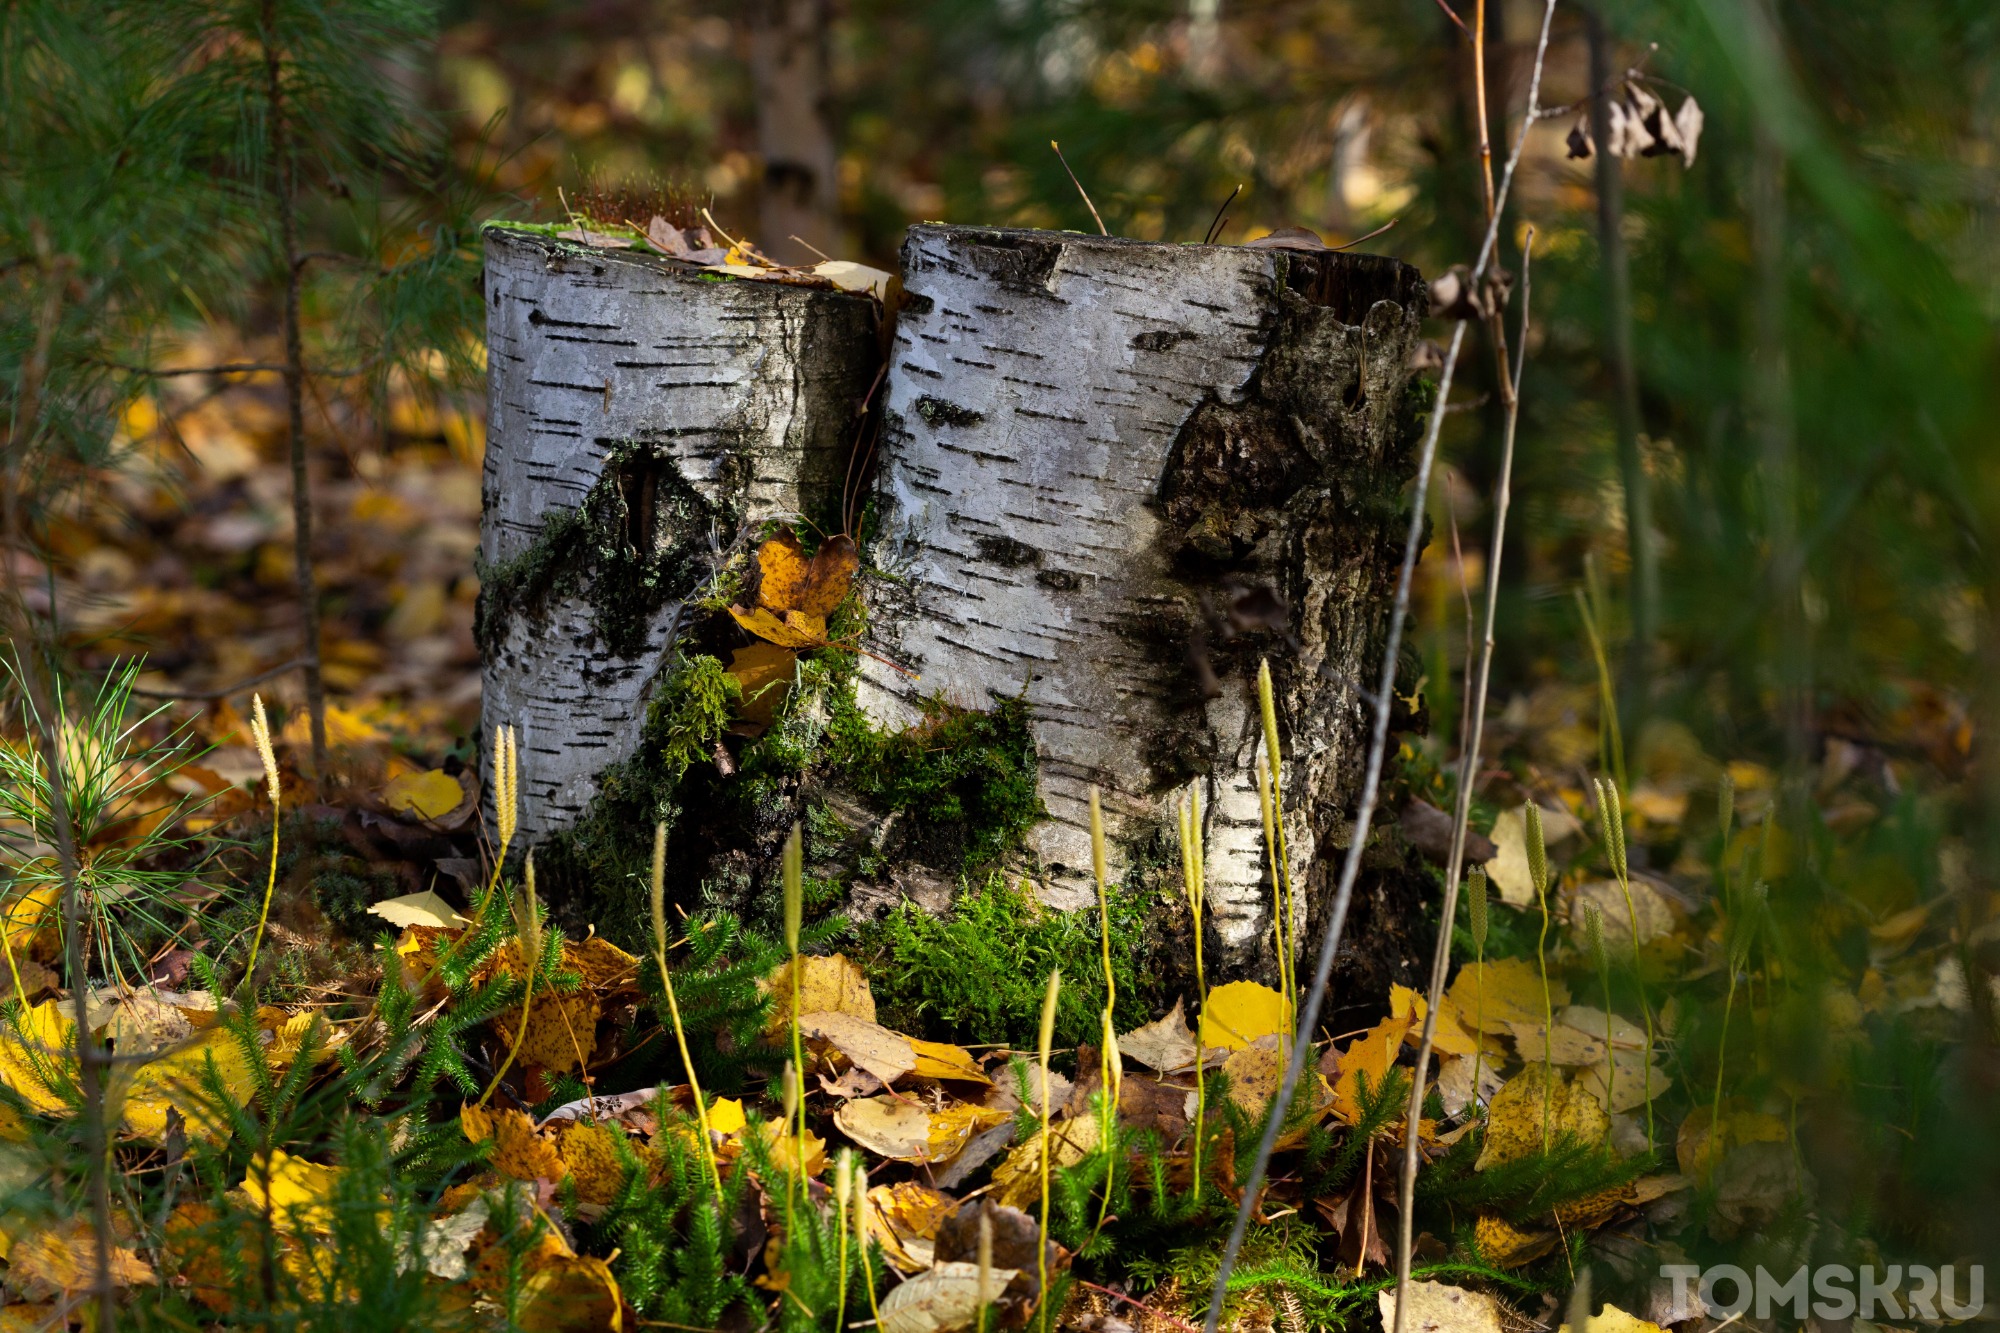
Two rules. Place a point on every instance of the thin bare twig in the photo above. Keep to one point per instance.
(295, 376)
(1452, 14)
(1349, 245)
(226, 368)
(1221, 215)
(1371, 780)
(225, 691)
(1510, 383)
(1468, 778)
(1079, 188)
(46, 719)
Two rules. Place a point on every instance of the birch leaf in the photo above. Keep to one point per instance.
(942, 1298)
(420, 909)
(1242, 1011)
(1164, 1044)
(429, 795)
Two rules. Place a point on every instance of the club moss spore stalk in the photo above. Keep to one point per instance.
(506, 807)
(1611, 817)
(861, 1238)
(658, 903)
(1600, 958)
(260, 731)
(1046, 1043)
(1476, 911)
(528, 933)
(843, 1185)
(1194, 877)
(1538, 875)
(1271, 794)
(1111, 1061)
(794, 885)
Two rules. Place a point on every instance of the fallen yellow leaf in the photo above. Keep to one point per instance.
(178, 1081)
(936, 1059)
(299, 1194)
(517, 1150)
(1238, 1013)
(1516, 1117)
(420, 909)
(905, 1218)
(38, 1057)
(826, 985)
(886, 1126)
(64, 1261)
(1511, 992)
(1611, 1319)
(429, 795)
(1370, 1055)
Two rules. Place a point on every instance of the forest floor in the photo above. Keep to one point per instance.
(1653, 1050)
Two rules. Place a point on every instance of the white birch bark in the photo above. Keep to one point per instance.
(1093, 449)
(690, 406)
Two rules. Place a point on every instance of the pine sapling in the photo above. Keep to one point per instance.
(260, 730)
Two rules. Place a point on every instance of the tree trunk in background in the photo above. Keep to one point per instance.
(638, 416)
(1643, 581)
(1114, 475)
(788, 69)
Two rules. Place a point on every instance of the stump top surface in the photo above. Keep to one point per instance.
(1349, 282)
(560, 255)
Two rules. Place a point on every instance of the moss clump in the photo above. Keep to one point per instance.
(636, 543)
(983, 967)
(601, 864)
(967, 780)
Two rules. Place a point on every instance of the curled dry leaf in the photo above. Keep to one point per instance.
(793, 596)
(905, 1218)
(889, 1127)
(446, 1239)
(941, 1298)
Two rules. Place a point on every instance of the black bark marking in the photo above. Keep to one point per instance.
(938, 412)
(1008, 552)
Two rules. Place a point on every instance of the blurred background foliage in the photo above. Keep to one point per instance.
(1811, 313)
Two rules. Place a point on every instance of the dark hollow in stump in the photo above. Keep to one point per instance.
(1113, 475)
(641, 412)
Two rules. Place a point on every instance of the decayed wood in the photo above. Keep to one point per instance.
(1113, 474)
(639, 413)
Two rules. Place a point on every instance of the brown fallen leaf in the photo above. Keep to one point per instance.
(1015, 1239)
(793, 596)
(884, 1054)
(1165, 1044)
(62, 1261)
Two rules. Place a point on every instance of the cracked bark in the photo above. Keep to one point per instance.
(639, 414)
(1094, 452)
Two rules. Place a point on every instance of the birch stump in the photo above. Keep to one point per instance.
(640, 412)
(1115, 474)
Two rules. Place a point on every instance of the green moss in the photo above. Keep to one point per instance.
(601, 864)
(637, 542)
(981, 970)
(967, 780)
